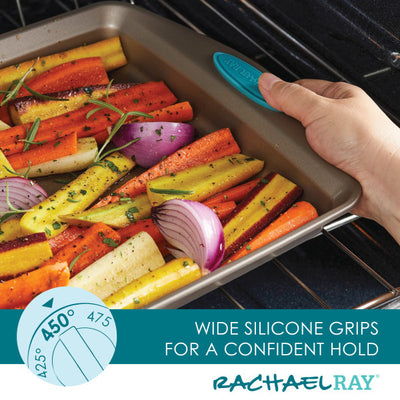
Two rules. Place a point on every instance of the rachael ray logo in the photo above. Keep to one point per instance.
(276, 383)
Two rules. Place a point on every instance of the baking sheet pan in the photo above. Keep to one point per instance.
(158, 49)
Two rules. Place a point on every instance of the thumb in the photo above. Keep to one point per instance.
(291, 98)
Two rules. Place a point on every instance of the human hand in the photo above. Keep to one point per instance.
(346, 128)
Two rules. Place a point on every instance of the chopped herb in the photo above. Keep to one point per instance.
(158, 131)
(136, 300)
(171, 191)
(136, 101)
(110, 242)
(48, 231)
(130, 212)
(249, 159)
(262, 203)
(263, 180)
(185, 263)
(83, 191)
(112, 166)
(172, 138)
(75, 260)
(248, 247)
(73, 201)
(56, 225)
(56, 144)
(63, 181)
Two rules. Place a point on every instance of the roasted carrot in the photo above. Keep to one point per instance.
(179, 112)
(73, 74)
(97, 241)
(18, 292)
(222, 209)
(144, 97)
(297, 215)
(101, 136)
(146, 225)
(236, 193)
(208, 148)
(65, 237)
(110, 51)
(38, 154)
(4, 115)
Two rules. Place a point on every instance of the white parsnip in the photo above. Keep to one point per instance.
(125, 263)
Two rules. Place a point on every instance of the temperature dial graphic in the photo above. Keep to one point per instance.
(66, 336)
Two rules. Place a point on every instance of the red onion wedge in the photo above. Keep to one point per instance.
(194, 229)
(23, 194)
(154, 140)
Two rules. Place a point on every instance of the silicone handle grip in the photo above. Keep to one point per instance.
(241, 75)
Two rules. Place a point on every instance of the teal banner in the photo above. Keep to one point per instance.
(243, 337)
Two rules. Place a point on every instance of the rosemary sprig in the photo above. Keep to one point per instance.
(75, 260)
(120, 122)
(11, 209)
(13, 91)
(30, 135)
(40, 95)
(108, 89)
(25, 175)
(171, 191)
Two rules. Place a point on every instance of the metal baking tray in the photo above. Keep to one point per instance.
(158, 49)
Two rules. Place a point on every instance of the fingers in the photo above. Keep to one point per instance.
(331, 90)
(293, 99)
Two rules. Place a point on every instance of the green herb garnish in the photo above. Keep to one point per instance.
(56, 225)
(110, 242)
(75, 260)
(120, 122)
(171, 191)
(130, 212)
(30, 135)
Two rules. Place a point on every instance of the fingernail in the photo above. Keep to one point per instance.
(267, 80)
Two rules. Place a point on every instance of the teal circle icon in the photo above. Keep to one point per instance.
(66, 336)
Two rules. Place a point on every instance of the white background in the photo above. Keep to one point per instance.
(194, 382)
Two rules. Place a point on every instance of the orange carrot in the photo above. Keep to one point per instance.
(4, 115)
(144, 97)
(297, 215)
(101, 136)
(146, 225)
(38, 154)
(18, 292)
(73, 74)
(208, 148)
(97, 241)
(236, 193)
(179, 112)
(62, 239)
(222, 209)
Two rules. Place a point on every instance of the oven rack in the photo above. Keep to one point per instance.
(390, 295)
